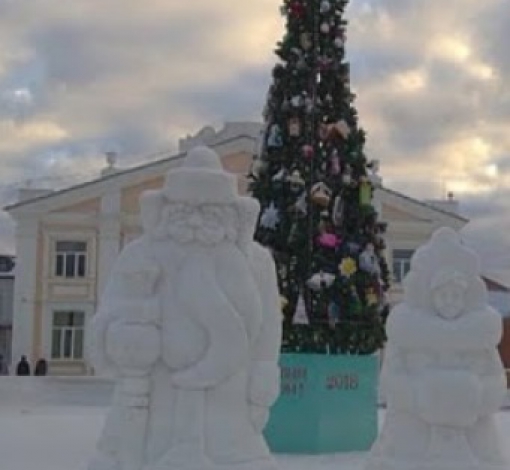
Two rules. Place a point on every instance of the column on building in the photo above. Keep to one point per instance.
(24, 288)
(109, 236)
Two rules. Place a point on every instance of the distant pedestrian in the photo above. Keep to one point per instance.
(23, 367)
(4, 369)
(41, 367)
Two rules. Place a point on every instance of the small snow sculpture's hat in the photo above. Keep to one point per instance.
(442, 259)
(201, 180)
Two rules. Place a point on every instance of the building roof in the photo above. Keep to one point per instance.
(121, 173)
(425, 204)
(235, 141)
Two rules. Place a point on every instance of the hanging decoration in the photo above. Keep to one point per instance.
(321, 280)
(321, 194)
(270, 217)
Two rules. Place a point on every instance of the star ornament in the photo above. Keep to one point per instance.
(348, 267)
(270, 217)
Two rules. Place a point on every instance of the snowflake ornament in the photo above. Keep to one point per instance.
(270, 217)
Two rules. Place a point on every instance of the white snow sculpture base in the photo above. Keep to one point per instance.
(442, 376)
(190, 324)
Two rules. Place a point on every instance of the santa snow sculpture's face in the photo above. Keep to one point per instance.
(449, 299)
(207, 224)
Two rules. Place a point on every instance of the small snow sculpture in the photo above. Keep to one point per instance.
(442, 376)
(190, 324)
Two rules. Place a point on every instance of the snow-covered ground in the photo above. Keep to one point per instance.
(37, 433)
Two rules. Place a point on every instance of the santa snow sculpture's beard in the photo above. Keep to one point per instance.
(208, 224)
(215, 289)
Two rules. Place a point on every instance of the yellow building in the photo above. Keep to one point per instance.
(67, 241)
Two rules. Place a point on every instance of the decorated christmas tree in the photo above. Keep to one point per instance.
(315, 185)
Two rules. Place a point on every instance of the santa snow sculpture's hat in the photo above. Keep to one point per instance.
(201, 179)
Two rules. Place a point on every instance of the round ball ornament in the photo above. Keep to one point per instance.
(339, 42)
(297, 9)
(308, 151)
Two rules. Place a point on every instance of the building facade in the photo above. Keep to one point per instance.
(68, 240)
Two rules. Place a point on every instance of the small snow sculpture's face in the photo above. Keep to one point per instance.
(449, 299)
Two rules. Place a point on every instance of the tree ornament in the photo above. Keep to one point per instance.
(301, 64)
(353, 248)
(347, 175)
(293, 234)
(300, 204)
(320, 280)
(274, 137)
(297, 9)
(372, 297)
(283, 302)
(324, 63)
(306, 41)
(338, 211)
(320, 194)
(300, 315)
(365, 192)
(328, 240)
(328, 132)
(325, 28)
(280, 176)
(309, 105)
(368, 260)
(339, 42)
(333, 313)
(308, 151)
(335, 163)
(270, 217)
(296, 101)
(340, 128)
(296, 181)
(348, 267)
(325, 6)
(294, 127)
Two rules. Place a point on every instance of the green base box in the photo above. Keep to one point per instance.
(327, 404)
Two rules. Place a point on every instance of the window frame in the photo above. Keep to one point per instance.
(70, 264)
(68, 335)
(401, 263)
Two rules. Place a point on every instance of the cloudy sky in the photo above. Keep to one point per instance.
(81, 77)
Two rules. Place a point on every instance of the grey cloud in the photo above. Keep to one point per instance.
(490, 34)
(241, 98)
(118, 74)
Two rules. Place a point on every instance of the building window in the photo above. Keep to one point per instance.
(70, 259)
(67, 335)
(6, 264)
(401, 264)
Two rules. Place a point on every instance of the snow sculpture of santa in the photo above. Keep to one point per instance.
(442, 376)
(190, 324)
